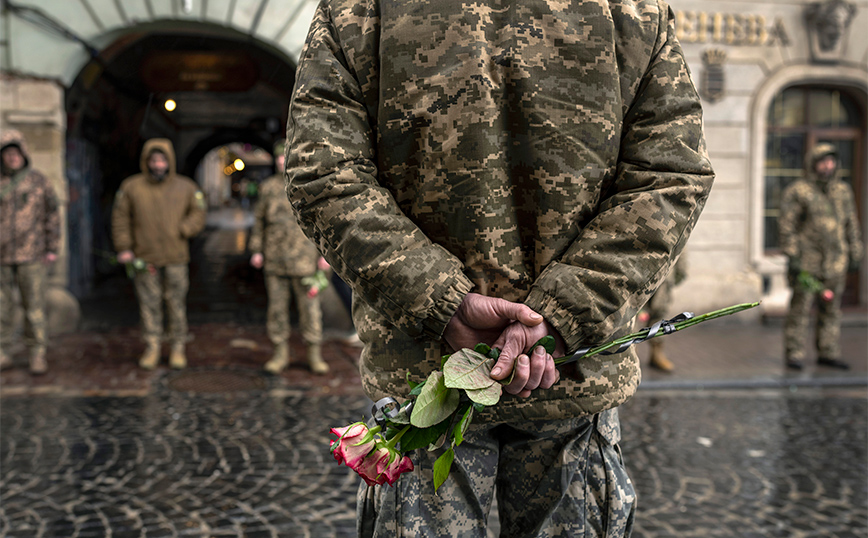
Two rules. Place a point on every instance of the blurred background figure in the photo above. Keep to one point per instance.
(288, 257)
(659, 308)
(155, 215)
(819, 233)
(29, 240)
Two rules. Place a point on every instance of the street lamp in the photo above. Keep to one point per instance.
(170, 105)
(238, 164)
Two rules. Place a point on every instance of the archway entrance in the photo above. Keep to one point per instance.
(199, 85)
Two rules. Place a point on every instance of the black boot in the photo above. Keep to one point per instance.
(832, 363)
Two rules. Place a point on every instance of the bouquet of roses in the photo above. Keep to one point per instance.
(439, 410)
(315, 283)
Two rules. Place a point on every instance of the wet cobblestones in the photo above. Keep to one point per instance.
(256, 464)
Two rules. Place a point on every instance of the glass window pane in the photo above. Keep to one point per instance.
(788, 109)
(831, 108)
(784, 164)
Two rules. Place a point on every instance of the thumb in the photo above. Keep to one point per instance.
(518, 312)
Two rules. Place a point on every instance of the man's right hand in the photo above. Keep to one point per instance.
(256, 260)
(126, 256)
(481, 319)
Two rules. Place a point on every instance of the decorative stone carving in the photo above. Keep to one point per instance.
(713, 83)
(828, 28)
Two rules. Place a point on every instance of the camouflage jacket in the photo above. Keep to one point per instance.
(545, 152)
(277, 235)
(818, 225)
(156, 219)
(29, 212)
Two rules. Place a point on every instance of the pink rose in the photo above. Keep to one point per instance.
(311, 293)
(354, 442)
(828, 295)
(397, 466)
(372, 467)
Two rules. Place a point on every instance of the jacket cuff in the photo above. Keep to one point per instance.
(558, 316)
(445, 307)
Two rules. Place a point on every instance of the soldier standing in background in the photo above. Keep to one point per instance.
(279, 245)
(155, 215)
(819, 234)
(29, 239)
(659, 308)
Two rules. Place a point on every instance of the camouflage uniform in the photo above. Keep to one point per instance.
(29, 230)
(819, 233)
(289, 257)
(543, 152)
(156, 219)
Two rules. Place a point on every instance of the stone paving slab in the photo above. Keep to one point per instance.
(256, 463)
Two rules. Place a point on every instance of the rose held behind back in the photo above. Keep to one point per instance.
(354, 442)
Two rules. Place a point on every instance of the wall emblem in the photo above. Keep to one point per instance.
(713, 83)
(828, 28)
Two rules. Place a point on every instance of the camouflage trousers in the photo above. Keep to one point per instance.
(29, 279)
(279, 289)
(560, 478)
(168, 284)
(828, 329)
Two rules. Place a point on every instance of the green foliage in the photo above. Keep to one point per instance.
(442, 467)
(435, 403)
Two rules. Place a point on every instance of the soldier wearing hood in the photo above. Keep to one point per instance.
(29, 239)
(155, 215)
(819, 234)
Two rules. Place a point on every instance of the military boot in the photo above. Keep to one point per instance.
(314, 360)
(279, 360)
(151, 357)
(5, 361)
(177, 357)
(38, 364)
(658, 358)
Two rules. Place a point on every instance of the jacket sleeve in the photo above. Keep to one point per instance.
(52, 219)
(255, 243)
(355, 222)
(194, 219)
(854, 236)
(645, 216)
(122, 232)
(791, 212)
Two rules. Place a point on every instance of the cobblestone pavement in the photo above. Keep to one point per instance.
(256, 464)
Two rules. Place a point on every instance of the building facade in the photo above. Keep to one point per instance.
(775, 76)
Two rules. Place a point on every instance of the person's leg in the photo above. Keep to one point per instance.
(828, 337)
(310, 322)
(7, 312)
(564, 478)
(175, 288)
(795, 326)
(31, 284)
(148, 290)
(277, 321)
(411, 508)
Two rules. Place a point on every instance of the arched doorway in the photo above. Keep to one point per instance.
(799, 117)
(224, 86)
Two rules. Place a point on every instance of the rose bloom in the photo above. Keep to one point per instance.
(828, 295)
(354, 442)
(383, 465)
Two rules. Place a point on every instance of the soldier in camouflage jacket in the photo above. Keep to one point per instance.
(819, 234)
(548, 154)
(288, 257)
(29, 238)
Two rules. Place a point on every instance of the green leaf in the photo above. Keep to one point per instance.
(435, 403)
(442, 467)
(494, 353)
(487, 396)
(548, 342)
(461, 427)
(467, 369)
(422, 437)
(415, 391)
(484, 349)
(412, 384)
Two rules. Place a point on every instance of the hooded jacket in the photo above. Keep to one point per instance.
(539, 151)
(818, 224)
(155, 219)
(29, 211)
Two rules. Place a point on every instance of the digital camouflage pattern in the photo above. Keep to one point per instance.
(545, 152)
(820, 230)
(171, 283)
(554, 470)
(660, 305)
(29, 211)
(30, 280)
(818, 223)
(279, 288)
(156, 219)
(277, 235)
